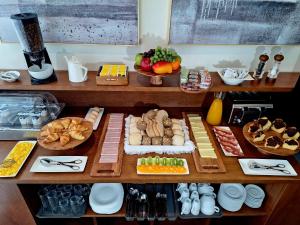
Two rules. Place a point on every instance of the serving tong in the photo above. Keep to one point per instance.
(278, 167)
(50, 162)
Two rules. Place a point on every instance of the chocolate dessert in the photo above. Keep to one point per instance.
(278, 125)
(291, 132)
(273, 142)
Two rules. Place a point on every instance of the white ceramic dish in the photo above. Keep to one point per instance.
(188, 146)
(265, 172)
(10, 76)
(106, 198)
(185, 164)
(41, 73)
(255, 196)
(234, 81)
(97, 121)
(37, 167)
(15, 174)
(231, 196)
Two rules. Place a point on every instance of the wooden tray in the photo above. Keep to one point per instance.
(112, 81)
(73, 143)
(206, 165)
(268, 151)
(108, 169)
(155, 79)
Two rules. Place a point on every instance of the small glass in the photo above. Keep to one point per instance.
(68, 188)
(60, 187)
(53, 200)
(49, 188)
(43, 196)
(77, 189)
(63, 206)
(77, 205)
(66, 195)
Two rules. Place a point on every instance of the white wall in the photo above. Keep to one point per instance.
(154, 17)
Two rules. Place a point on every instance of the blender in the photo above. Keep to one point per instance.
(29, 34)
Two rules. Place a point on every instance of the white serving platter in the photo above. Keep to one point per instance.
(97, 121)
(15, 174)
(185, 164)
(267, 172)
(37, 167)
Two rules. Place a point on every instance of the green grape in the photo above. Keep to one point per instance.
(149, 160)
(157, 160)
(164, 161)
(180, 162)
(143, 161)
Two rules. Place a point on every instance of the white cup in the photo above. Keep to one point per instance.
(208, 205)
(184, 194)
(193, 187)
(194, 195)
(181, 187)
(186, 207)
(196, 206)
(203, 184)
(205, 190)
(77, 72)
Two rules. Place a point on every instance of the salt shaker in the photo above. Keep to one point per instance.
(260, 68)
(273, 74)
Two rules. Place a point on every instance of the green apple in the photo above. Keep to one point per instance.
(138, 59)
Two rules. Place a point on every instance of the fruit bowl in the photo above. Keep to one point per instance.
(155, 79)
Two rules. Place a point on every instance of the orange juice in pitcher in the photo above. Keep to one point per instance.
(214, 115)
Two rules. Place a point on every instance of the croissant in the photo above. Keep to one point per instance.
(64, 139)
(66, 123)
(57, 126)
(76, 121)
(76, 135)
(78, 128)
(51, 138)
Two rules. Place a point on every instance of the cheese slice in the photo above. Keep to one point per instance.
(200, 134)
(202, 140)
(204, 145)
(208, 153)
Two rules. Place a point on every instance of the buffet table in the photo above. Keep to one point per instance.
(276, 187)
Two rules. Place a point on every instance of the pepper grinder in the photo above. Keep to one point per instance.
(258, 74)
(273, 74)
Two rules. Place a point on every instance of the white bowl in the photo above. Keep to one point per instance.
(10, 76)
(231, 196)
(106, 198)
(233, 81)
(41, 73)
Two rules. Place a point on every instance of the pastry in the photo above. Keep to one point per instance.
(94, 113)
(78, 127)
(177, 140)
(176, 127)
(76, 121)
(156, 141)
(167, 122)
(154, 126)
(265, 123)
(149, 130)
(135, 139)
(65, 122)
(161, 115)
(176, 121)
(278, 125)
(51, 138)
(291, 133)
(141, 124)
(96, 109)
(290, 144)
(254, 127)
(160, 128)
(91, 120)
(64, 139)
(258, 136)
(178, 132)
(168, 132)
(273, 142)
(134, 120)
(77, 135)
(150, 114)
(134, 130)
(56, 125)
(167, 140)
(146, 140)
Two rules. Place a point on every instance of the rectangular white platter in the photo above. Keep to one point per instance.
(97, 121)
(185, 164)
(267, 172)
(37, 167)
(15, 174)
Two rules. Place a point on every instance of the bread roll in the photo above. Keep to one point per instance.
(135, 139)
(177, 140)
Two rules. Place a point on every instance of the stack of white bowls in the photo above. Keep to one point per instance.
(231, 196)
(255, 196)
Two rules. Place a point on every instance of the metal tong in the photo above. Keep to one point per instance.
(50, 162)
(278, 167)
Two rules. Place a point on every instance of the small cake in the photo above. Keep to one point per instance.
(146, 140)
(273, 142)
(167, 140)
(291, 133)
(258, 136)
(167, 122)
(168, 132)
(156, 141)
(278, 125)
(290, 144)
(177, 140)
(254, 127)
(135, 139)
(265, 123)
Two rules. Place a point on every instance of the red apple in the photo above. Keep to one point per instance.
(146, 64)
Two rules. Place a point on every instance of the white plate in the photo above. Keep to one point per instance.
(37, 167)
(97, 121)
(185, 164)
(15, 174)
(106, 198)
(267, 172)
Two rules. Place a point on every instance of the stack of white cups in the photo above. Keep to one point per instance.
(196, 198)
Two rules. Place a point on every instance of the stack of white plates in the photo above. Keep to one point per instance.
(106, 198)
(231, 196)
(255, 196)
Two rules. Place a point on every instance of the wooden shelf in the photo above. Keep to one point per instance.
(120, 213)
(137, 83)
(246, 211)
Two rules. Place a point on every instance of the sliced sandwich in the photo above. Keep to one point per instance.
(290, 144)
(291, 133)
(278, 125)
(258, 136)
(265, 123)
(273, 142)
